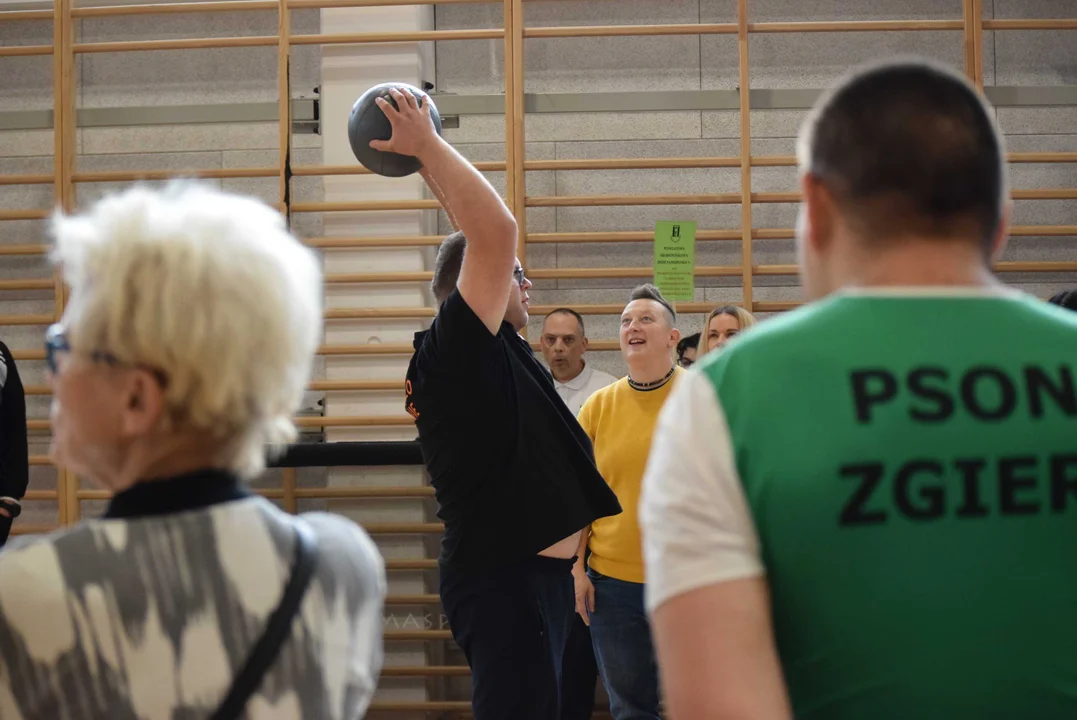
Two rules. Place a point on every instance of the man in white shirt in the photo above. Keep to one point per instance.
(563, 344)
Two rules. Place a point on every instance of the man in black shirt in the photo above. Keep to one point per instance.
(512, 470)
(14, 454)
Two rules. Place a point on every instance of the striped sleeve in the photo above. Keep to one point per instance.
(696, 524)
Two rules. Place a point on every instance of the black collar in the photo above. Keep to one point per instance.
(654, 384)
(190, 491)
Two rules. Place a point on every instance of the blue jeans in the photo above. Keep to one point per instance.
(623, 648)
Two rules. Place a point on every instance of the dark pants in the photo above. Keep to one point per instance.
(580, 673)
(623, 648)
(512, 625)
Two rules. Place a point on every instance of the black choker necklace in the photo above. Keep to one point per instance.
(651, 385)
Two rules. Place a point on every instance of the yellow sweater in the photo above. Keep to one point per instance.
(620, 421)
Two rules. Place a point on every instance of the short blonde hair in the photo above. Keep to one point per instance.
(744, 321)
(212, 289)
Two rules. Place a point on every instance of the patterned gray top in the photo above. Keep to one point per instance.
(151, 617)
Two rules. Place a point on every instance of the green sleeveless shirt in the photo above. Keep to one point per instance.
(908, 467)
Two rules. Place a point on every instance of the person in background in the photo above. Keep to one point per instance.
(864, 508)
(14, 451)
(563, 344)
(1066, 299)
(620, 420)
(722, 325)
(687, 349)
(179, 363)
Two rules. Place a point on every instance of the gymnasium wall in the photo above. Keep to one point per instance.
(139, 80)
(779, 60)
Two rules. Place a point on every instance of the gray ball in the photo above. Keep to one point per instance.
(367, 122)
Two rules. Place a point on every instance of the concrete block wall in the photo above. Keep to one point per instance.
(782, 60)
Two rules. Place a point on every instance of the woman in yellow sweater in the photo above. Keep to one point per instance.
(620, 419)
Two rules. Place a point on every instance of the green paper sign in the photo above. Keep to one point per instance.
(675, 259)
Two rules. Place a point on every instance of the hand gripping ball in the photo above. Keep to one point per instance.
(367, 122)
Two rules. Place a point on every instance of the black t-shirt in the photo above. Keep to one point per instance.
(512, 470)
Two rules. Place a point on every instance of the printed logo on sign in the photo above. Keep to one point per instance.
(674, 259)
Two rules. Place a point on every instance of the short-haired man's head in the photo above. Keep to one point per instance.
(687, 350)
(1066, 299)
(907, 147)
(647, 333)
(647, 291)
(563, 343)
(450, 259)
(448, 265)
(690, 342)
(565, 311)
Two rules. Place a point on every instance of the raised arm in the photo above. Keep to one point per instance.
(474, 207)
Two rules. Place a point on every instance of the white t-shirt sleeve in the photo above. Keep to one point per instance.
(697, 528)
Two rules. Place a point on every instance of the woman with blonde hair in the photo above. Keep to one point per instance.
(182, 356)
(723, 324)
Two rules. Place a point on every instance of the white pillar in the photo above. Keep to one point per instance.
(348, 71)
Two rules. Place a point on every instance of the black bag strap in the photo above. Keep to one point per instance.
(278, 627)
